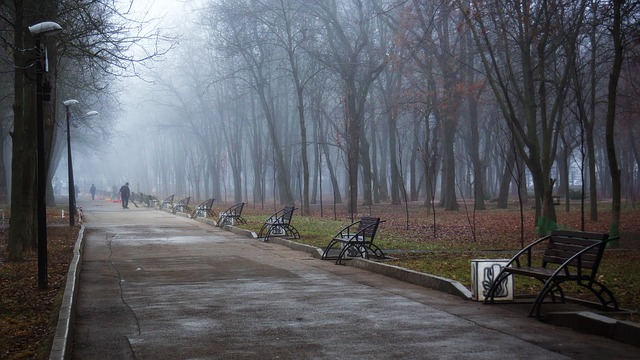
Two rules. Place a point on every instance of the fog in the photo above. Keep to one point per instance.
(140, 116)
(303, 102)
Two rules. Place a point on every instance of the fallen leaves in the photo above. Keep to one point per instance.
(28, 315)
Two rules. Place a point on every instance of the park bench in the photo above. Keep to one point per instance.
(182, 205)
(279, 224)
(204, 209)
(151, 201)
(136, 197)
(569, 256)
(167, 203)
(232, 214)
(355, 239)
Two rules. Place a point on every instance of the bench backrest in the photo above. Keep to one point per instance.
(168, 199)
(564, 244)
(287, 214)
(184, 201)
(370, 226)
(206, 205)
(236, 210)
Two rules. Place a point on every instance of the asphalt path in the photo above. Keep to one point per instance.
(154, 285)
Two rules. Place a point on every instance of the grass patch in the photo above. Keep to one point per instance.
(460, 237)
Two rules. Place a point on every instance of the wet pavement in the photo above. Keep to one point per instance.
(154, 285)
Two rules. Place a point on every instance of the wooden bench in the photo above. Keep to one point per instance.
(556, 200)
(182, 205)
(167, 203)
(279, 224)
(355, 239)
(569, 256)
(204, 209)
(232, 214)
(151, 201)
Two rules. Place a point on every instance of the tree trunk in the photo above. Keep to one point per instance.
(616, 34)
(505, 181)
(22, 232)
(352, 131)
(396, 179)
(367, 178)
(449, 200)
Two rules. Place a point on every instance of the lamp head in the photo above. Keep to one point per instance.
(46, 28)
(70, 102)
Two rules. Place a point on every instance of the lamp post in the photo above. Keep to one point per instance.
(72, 186)
(72, 193)
(38, 31)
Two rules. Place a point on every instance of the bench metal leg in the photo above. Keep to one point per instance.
(263, 230)
(375, 250)
(602, 293)
(502, 275)
(291, 231)
(550, 287)
(325, 253)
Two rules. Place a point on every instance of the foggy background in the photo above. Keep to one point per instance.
(210, 117)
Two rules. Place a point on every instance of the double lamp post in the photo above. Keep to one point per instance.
(39, 32)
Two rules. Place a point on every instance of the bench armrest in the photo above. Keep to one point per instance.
(349, 234)
(526, 250)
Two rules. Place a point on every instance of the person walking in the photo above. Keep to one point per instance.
(92, 190)
(124, 195)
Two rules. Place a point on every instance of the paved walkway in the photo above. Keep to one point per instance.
(158, 286)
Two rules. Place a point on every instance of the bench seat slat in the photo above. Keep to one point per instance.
(538, 272)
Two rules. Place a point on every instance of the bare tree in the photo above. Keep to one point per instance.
(242, 38)
(353, 55)
(531, 90)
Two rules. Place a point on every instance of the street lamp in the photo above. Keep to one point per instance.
(72, 207)
(72, 192)
(38, 31)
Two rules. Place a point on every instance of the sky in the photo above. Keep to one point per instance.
(136, 111)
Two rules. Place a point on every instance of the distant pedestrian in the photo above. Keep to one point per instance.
(124, 195)
(92, 190)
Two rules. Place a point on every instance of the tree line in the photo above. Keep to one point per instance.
(395, 101)
(384, 101)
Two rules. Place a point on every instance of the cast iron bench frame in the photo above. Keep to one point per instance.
(234, 213)
(355, 239)
(204, 209)
(574, 256)
(279, 224)
(167, 203)
(182, 205)
(151, 201)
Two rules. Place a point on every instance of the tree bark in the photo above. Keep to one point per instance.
(22, 232)
(614, 170)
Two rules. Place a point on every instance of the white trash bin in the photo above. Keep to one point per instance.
(483, 271)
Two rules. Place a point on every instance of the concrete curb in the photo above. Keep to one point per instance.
(63, 338)
(596, 324)
(426, 280)
(294, 245)
(414, 277)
